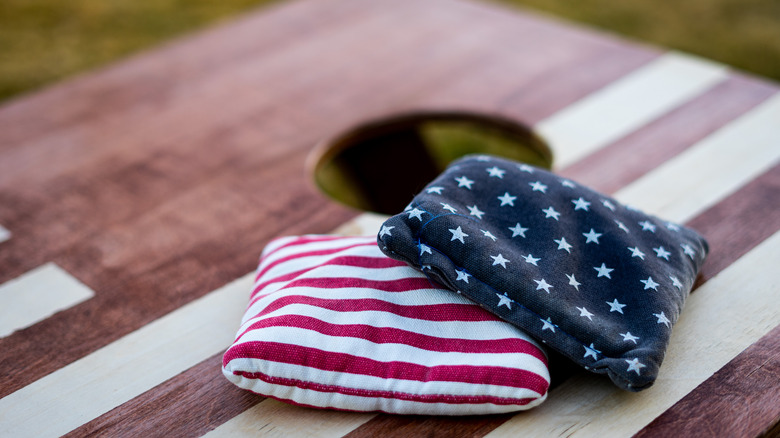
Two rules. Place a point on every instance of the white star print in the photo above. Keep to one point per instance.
(489, 235)
(446, 206)
(548, 325)
(458, 234)
(615, 306)
(507, 199)
(428, 267)
(474, 211)
(425, 248)
(585, 313)
(550, 212)
(628, 337)
(622, 226)
(650, 284)
(525, 168)
(462, 276)
(634, 365)
(563, 244)
(647, 226)
(662, 253)
(592, 236)
(608, 204)
(688, 250)
(531, 259)
(567, 183)
(499, 260)
(573, 281)
(416, 212)
(538, 187)
(591, 351)
(435, 189)
(676, 282)
(495, 171)
(580, 204)
(464, 182)
(408, 207)
(603, 271)
(483, 158)
(518, 230)
(635, 252)
(385, 230)
(543, 284)
(504, 300)
(672, 227)
(662, 319)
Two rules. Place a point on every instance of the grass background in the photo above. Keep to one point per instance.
(44, 41)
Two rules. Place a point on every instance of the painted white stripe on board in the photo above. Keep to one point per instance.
(713, 168)
(627, 104)
(271, 418)
(4, 234)
(38, 294)
(126, 368)
(715, 326)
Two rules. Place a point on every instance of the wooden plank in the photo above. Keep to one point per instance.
(128, 367)
(626, 104)
(740, 399)
(276, 419)
(728, 166)
(37, 295)
(627, 159)
(716, 325)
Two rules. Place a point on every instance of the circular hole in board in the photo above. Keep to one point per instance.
(379, 166)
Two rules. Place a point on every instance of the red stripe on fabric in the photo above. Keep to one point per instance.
(421, 398)
(347, 363)
(351, 261)
(309, 253)
(427, 312)
(391, 335)
(400, 285)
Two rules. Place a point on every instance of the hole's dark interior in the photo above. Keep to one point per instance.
(381, 165)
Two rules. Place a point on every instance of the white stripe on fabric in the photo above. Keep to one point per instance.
(713, 168)
(311, 246)
(127, 367)
(4, 234)
(627, 104)
(276, 419)
(477, 330)
(420, 356)
(725, 316)
(38, 294)
(298, 263)
(365, 382)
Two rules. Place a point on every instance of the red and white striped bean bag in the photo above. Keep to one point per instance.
(334, 323)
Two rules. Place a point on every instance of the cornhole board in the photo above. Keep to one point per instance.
(135, 200)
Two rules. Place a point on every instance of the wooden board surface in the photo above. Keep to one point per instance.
(135, 200)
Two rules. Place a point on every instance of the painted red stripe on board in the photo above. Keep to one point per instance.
(265, 269)
(351, 261)
(427, 312)
(389, 335)
(347, 363)
(421, 398)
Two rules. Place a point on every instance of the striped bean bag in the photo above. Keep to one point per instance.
(334, 323)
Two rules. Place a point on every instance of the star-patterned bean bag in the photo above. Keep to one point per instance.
(598, 281)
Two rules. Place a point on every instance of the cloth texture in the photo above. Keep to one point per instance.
(598, 281)
(334, 323)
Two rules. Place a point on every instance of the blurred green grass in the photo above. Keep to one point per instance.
(44, 41)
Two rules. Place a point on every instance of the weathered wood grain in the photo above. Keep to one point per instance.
(740, 400)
